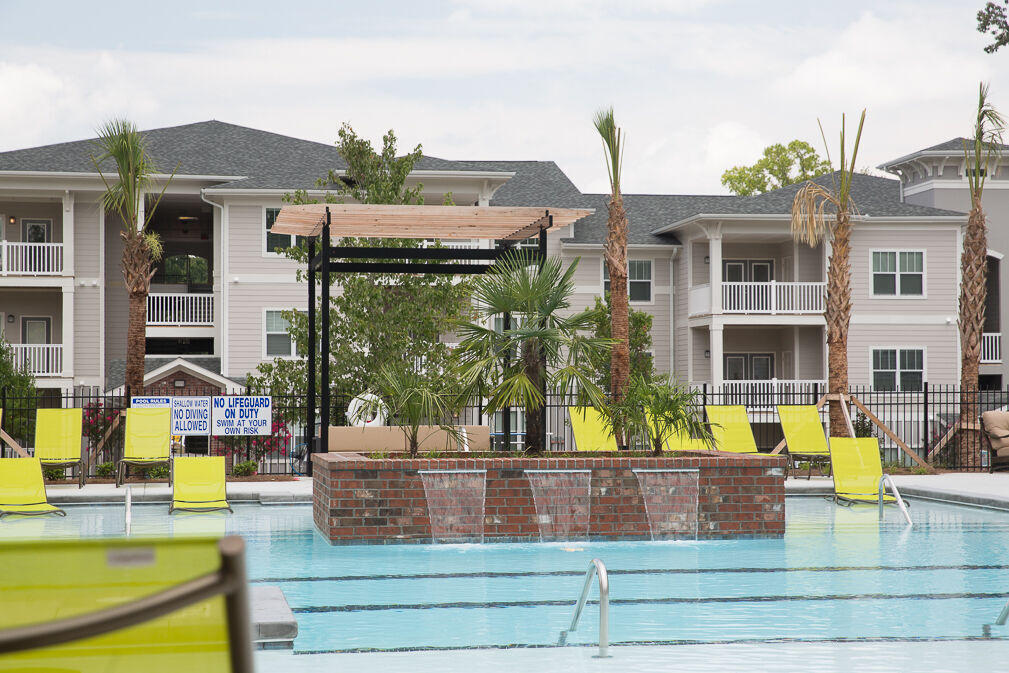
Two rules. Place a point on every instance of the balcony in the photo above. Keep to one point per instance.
(40, 359)
(991, 348)
(179, 309)
(773, 297)
(766, 393)
(30, 259)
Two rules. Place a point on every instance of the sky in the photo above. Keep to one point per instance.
(698, 86)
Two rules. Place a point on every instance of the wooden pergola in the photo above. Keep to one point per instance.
(506, 225)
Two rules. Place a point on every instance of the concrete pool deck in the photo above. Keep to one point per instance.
(988, 490)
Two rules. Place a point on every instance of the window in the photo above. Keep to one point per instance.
(639, 279)
(898, 273)
(278, 340)
(898, 369)
(274, 241)
(36, 231)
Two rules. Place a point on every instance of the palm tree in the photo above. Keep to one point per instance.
(657, 410)
(981, 153)
(812, 224)
(551, 350)
(121, 141)
(615, 254)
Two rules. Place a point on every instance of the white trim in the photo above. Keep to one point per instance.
(49, 330)
(897, 294)
(902, 319)
(671, 247)
(996, 255)
(294, 348)
(28, 221)
(264, 234)
(179, 364)
(785, 218)
(898, 349)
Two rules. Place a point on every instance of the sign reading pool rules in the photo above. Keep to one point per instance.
(191, 416)
(242, 415)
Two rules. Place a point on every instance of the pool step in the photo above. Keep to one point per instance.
(273, 624)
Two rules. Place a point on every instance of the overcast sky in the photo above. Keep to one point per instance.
(697, 85)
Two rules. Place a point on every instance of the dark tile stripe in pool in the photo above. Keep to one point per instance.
(654, 643)
(480, 605)
(651, 571)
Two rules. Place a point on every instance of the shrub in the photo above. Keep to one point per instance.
(257, 447)
(54, 473)
(98, 417)
(246, 468)
(157, 472)
(106, 470)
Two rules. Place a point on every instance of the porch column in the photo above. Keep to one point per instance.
(715, 347)
(68, 233)
(68, 330)
(715, 271)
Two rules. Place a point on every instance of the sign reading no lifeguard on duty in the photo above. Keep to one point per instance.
(242, 415)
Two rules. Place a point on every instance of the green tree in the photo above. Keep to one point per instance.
(657, 410)
(18, 386)
(812, 222)
(780, 166)
(640, 337)
(121, 141)
(546, 339)
(991, 19)
(375, 319)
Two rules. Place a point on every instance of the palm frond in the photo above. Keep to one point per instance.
(612, 145)
(985, 144)
(810, 224)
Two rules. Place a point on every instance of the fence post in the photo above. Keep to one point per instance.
(926, 429)
(3, 405)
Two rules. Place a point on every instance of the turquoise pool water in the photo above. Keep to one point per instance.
(840, 581)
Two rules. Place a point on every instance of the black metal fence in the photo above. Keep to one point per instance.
(929, 422)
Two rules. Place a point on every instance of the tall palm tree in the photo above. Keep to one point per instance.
(542, 331)
(121, 141)
(615, 254)
(981, 152)
(812, 224)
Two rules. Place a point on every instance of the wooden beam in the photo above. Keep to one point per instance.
(942, 442)
(14, 445)
(890, 433)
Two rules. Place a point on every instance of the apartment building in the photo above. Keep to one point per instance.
(735, 301)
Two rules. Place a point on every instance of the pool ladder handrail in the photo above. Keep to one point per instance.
(596, 569)
(129, 509)
(883, 481)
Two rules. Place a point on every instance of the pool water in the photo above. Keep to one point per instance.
(840, 579)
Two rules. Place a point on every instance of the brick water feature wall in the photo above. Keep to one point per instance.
(358, 500)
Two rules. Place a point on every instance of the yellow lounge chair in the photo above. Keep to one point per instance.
(590, 431)
(151, 605)
(198, 484)
(857, 470)
(58, 439)
(730, 428)
(22, 490)
(147, 443)
(804, 434)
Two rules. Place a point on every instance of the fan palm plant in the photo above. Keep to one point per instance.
(811, 224)
(121, 141)
(657, 410)
(615, 253)
(551, 352)
(981, 153)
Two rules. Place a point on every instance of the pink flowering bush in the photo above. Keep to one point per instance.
(98, 417)
(274, 444)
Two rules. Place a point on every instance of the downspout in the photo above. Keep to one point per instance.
(224, 286)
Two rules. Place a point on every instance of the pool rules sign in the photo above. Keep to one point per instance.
(242, 415)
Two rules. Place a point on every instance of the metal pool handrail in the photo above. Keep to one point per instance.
(129, 509)
(596, 569)
(887, 479)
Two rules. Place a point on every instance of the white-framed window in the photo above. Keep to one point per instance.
(639, 279)
(36, 230)
(277, 340)
(898, 273)
(273, 241)
(898, 369)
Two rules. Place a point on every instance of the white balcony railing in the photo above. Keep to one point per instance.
(40, 359)
(180, 309)
(31, 259)
(764, 393)
(773, 297)
(991, 348)
(699, 300)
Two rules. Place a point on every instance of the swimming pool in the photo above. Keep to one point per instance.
(840, 588)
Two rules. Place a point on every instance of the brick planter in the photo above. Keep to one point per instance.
(357, 500)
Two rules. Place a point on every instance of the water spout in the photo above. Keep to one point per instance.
(670, 497)
(455, 504)
(563, 502)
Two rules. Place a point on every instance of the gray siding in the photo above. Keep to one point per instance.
(939, 341)
(116, 300)
(680, 319)
(33, 303)
(86, 241)
(246, 321)
(32, 210)
(87, 334)
(246, 232)
(700, 272)
(702, 365)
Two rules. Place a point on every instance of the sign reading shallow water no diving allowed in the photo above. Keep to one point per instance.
(242, 415)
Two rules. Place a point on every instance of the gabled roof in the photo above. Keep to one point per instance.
(952, 147)
(261, 159)
(204, 367)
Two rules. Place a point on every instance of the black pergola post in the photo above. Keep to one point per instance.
(324, 336)
(310, 420)
(543, 355)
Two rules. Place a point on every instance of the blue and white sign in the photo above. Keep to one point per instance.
(242, 415)
(151, 402)
(191, 416)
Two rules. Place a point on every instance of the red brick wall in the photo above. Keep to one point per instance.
(357, 500)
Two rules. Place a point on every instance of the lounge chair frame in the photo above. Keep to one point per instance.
(80, 463)
(230, 581)
(173, 508)
(139, 461)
